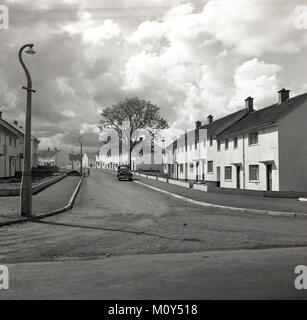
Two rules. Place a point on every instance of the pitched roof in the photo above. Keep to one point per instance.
(91, 155)
(219, 125)
(265, 116)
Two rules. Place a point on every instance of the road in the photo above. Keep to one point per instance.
(122, 240)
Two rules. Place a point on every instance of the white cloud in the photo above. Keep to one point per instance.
(190, 62)
(257, 79)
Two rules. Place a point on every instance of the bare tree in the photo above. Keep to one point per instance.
(130, 118)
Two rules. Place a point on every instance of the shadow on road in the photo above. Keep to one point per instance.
(117, 230)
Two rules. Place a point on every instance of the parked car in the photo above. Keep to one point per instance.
(124, 173)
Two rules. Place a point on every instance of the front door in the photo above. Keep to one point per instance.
(218, 176)
(238, 177)
(269, 177)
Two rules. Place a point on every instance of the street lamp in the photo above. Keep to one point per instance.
(81, 156)
(26, 182)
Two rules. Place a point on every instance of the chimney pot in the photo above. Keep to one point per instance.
(15, 122)
(249, 104)
(48, 149)
(210, 118)
(0, 114)
(283, 95)
(198, 124)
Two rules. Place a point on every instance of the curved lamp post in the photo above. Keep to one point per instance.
(26, 182)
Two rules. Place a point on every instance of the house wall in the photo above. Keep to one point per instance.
(62, 159)
(293, 150)
(188, 162)
(244, 156)
(150, 159)
(8, 155)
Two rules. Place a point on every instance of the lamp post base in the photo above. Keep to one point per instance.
(26, 195)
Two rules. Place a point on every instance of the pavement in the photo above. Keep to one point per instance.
(123, 240)
(232, 200)
(52, 198)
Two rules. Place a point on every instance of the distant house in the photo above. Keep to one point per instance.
(75, 160)
(89, 160)
(34, 148)
(12, 148)
(54, 157)
(146, 155)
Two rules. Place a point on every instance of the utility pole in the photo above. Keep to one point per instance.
(26, 182)
(81, 156)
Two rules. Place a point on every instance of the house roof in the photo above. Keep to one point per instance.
(219, 125)
(74, 157)
(265, 116)
(91, 155)
(47, 153)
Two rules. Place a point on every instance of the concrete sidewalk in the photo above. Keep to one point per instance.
(50, 199)
(231, 200)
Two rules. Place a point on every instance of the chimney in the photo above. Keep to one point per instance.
(283, 95)
(0, 114)
(210, 119)
(197, 124)
(55, 149)
(48, 149)
(249, 104)
(16, 123)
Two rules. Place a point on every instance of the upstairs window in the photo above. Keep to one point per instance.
(218, 145)
(235, 142)
(211, 141)
(253, 138)
(226, 144)
(10, 141)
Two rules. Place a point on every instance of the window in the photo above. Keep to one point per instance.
(226, 144)
(235, 142)
(191, 167)
(181, 167)
(228, 173)
(254, 173)
(211, 141)
(210, 166)
(253, 138)
(218, 145)
(10, 141)
(14, 143)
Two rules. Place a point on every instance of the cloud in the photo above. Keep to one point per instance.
(190, 61)
(257, 79)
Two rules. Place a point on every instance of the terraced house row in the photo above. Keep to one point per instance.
(12, 148)
(264, 149)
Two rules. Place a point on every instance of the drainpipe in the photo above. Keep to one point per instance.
(243, 161)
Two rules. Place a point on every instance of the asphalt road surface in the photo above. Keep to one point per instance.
(125, 241)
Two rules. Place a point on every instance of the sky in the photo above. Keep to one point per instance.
(191, 58)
